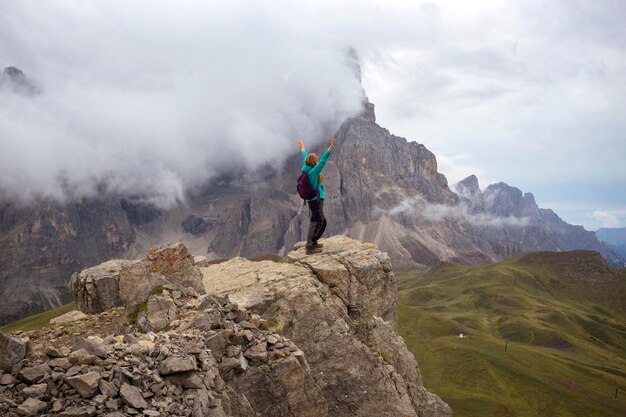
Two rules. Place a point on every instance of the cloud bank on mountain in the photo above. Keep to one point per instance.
(149, 97)
(433, 212)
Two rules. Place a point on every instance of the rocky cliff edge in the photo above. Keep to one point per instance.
(304, 335)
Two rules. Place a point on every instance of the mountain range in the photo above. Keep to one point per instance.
(615, 238)
(380, 187)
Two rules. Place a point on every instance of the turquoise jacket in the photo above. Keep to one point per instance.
(314, 172)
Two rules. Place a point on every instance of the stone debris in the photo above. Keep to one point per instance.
(85, 384)
(174, 365)
(173, 372)
(132, 396)
(276, 346)
(32, 407)
(12, 351)
(69, 317)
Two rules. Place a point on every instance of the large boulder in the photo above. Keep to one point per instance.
(161, 312)
(12, 350)
(97, 289)
(164, 264)
(176, 264)
(86, 385)
(123, 283)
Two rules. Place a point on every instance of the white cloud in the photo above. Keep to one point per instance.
(153, 96)
(534, 91)
(610, 218)
(418, 206)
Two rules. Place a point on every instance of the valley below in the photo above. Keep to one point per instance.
(560, 317)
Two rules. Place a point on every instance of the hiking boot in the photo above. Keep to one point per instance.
(299, 245)
(310, 251)
(319, 245)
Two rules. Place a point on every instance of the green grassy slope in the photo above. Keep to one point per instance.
(37, 321)
(563, 315)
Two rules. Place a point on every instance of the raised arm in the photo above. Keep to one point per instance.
(320, 164)
(303, 150)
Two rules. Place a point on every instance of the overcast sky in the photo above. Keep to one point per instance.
(532, 93)
(151, 95)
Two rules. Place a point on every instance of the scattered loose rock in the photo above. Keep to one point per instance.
(86, 384)
(174, 365)
(32, 407)
(273, 340)
(132, 396)
(12, 350)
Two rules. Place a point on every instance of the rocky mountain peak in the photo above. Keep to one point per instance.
(470, 195)
(18, 81)
(469, 185)
(503, 200)
(15, 74)
(368, 112)
(504, 188)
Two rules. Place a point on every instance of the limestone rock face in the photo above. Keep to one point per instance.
(357, 273)
(339, 307)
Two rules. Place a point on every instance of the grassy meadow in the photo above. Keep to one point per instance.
(37, 321)
(563, 316)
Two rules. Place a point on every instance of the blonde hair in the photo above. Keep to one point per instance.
(312, 160)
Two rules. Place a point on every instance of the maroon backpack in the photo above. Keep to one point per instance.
(305, 190)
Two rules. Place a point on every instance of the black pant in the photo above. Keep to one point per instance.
(317, 225)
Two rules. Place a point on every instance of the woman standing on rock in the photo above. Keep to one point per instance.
(312, 166)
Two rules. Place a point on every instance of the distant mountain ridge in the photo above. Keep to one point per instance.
(525, 226)
(615, 238)
(381, 188)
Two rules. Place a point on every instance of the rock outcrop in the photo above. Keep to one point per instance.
(308, 336)
(118, 283)
(340, 308)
